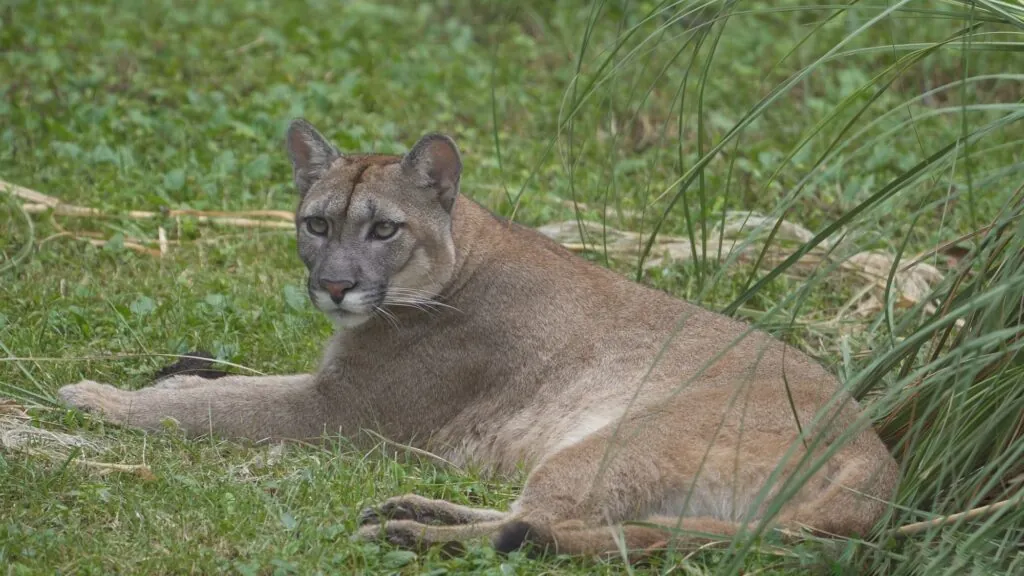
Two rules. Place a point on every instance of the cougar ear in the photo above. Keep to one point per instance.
(311, 154)
(434, 163)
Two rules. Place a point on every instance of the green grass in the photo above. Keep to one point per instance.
(884, 126)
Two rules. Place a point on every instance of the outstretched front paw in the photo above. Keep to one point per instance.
(90, 396)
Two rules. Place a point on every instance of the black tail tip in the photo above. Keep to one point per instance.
(535, 541)
(513, 536)
(198, 363)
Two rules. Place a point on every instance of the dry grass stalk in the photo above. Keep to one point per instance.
(974, 513)
(204, 217)
(413, 450)
(140, 470)
(100, 240)
(129, 245)
(37, 202)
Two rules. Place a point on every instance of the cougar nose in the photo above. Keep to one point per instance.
(337, 289)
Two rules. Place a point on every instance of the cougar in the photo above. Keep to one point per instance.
(642, 420)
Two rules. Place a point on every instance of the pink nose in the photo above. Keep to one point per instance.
(336, 289)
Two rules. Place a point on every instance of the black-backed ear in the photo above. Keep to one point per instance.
(311, 154)
(434, 163)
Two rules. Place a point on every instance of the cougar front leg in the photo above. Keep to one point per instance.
(257, 408)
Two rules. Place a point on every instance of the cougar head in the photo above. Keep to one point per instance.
(373, 230)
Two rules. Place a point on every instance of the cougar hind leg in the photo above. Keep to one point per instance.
(586, 500)
(640, 486)
(567, 504)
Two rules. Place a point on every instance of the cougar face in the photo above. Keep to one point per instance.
(373, 231)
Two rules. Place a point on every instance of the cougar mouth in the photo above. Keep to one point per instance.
(356, 306)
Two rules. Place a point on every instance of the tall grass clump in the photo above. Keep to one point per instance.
(673, 138)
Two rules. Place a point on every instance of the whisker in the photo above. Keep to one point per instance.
(388, 316)
(411, 304)
(410, 298)
(412, 292)
(404, 298)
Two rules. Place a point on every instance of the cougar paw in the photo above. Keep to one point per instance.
(390, 509)
(408, 535)
(400, 534)
(90, 396)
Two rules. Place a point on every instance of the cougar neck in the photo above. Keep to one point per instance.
(474, 233)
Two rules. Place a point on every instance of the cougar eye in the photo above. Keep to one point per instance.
(316, 226)
(383, 230)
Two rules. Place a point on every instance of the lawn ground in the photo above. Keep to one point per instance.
(562, 110)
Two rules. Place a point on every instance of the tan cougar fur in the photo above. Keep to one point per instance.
(484, 342)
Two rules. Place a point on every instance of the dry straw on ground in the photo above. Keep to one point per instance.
(741, 237)
(18, 435)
